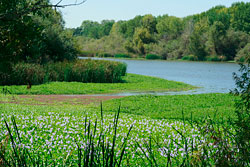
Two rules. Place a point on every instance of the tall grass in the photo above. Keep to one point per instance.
(96, 71)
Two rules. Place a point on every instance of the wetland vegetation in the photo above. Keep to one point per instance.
(39, 56)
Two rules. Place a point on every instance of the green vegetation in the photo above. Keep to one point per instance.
(244, 54)
(207, 130)
(94, 71)
(242, 110)
(68, 133)
(152, 56)
(181, 130)
(32, 32)
(214, 58)
(214, 35)
(130, 84)
(122, 56)
(173, 107)
(190, 58)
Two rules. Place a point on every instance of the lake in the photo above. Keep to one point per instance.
(211, 77)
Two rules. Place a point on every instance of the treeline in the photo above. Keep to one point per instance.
(219, 34)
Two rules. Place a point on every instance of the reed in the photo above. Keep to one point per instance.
(94, 71)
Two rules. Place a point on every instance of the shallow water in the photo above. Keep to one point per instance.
(211, 77)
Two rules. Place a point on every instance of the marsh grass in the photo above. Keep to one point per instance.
(94, 71)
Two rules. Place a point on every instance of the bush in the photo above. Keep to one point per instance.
(152, 56)
(242, 110)
(122, 56)
(104, 55)
(23, 74)
(212, 58)
(244, 54)
(97, 71)
(215, 58)
(190, 58)
(87, 54)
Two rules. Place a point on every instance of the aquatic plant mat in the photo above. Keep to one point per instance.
(131, 83)
(98, 135)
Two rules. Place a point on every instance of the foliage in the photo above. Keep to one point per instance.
(169, 27)
(244, 54)
(198, 39)
(149, 22)
(240, 16)
(78, 71)
(67, 135)
(219, 32)
(190, 58)
(152, 56)
(92, 148)
(130, 84)
(87, 54)
(172, 107)
(242, 109)
(121, 55)
(142, 36)
(37, 36)
(104, 55)
(213, 58)
(93, 29)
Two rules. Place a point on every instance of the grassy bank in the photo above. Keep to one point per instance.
(131, 83)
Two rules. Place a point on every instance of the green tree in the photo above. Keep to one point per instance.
(26, 29)
(198, 39)
(244, 54)
(149, 22)
(127, 28)
(217, 33)
(142, 36)
(106, 26)
(169, 27)
(240, 16)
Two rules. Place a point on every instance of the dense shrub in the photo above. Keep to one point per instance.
(104, 55)
(97, 71)
(152, 56)
(122, 55)
(23, 73)
(87, 54)
(244, 54)
(212, 58)
(190, 58)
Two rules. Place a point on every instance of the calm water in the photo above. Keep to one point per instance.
(211, 77)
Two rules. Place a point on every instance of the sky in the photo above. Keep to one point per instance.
(98, 10)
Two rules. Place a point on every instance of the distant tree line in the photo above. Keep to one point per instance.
(219, 34)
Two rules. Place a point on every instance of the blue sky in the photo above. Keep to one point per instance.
(98, 10)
